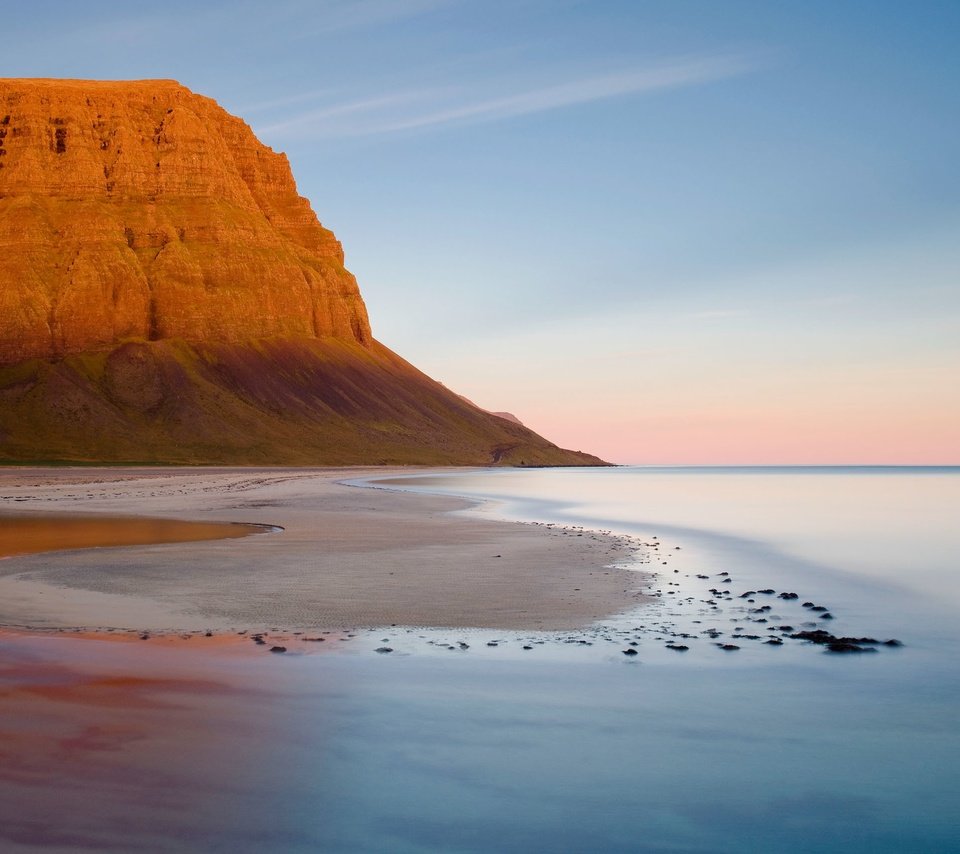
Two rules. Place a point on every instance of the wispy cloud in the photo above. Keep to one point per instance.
(331, 117)
(586, 90)
(405, 111)
(336, 15)
(284, 101)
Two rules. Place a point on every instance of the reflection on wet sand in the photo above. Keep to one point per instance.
(21, 535)
(103, 743)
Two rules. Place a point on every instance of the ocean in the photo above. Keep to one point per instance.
(561, 742)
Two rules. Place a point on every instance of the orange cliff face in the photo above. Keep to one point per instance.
(166, 296)
(142, 210)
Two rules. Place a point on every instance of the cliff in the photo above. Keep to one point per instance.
(166, 295)
(144, 210)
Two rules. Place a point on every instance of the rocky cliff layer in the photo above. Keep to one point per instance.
(142, 210)
(166, 296)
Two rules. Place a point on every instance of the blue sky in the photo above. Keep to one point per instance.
(661, 231)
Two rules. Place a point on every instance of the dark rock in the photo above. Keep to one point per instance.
(893, 642)
(769, 591)
(823, 637)
(826, 615)
(729, 647)
(748, 594)
(814, 636)
(844, 646)
(630, 651)
(679, 647)
(278, 649)
(774, 642)
(788, 596)
(384, 649)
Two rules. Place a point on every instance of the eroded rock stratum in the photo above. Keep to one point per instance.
(140, 209)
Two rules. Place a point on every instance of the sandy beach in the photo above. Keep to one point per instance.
(347, 557)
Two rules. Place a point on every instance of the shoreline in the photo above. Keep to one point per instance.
(347, 558)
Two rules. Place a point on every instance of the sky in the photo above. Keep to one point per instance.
(671, 232)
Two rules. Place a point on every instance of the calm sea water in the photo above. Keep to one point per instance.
(574, 747)
(883, 541)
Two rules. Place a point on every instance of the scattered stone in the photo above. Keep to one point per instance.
(844, 646)
(824, 638)
(788, 596)
(630, 651)
(729, 647)
(278, 649)
(384, 649)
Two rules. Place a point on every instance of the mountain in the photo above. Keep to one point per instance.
(166, 295)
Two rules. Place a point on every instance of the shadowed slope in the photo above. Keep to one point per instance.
(283, 401)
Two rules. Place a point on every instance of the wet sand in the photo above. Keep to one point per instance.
(105, 747)
(21, 534)
(346, 557)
